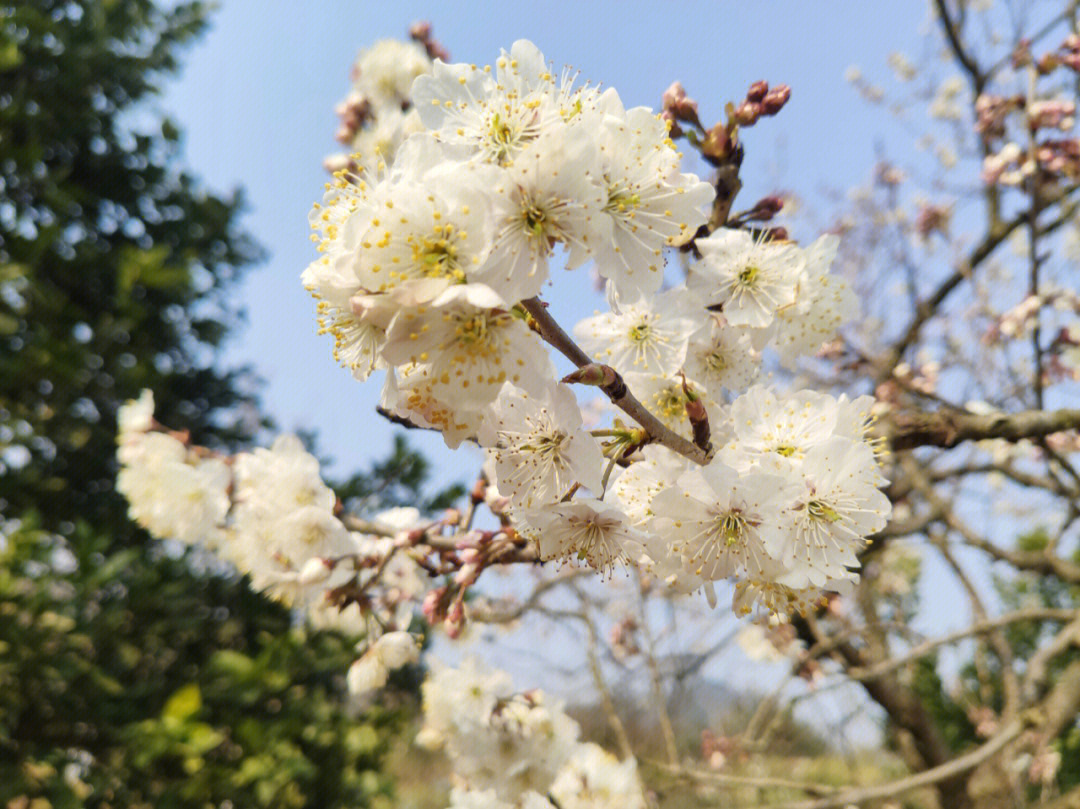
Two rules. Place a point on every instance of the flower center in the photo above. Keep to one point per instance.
(730, 527)
(822, 511)
(715, 361)
(535, 218)
(640, 333)
(473, 331)
(749, 275)
(437, 255)
(621, 201)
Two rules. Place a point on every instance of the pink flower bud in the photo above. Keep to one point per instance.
(677, 106)
(757, 91)
(765, 209)
(455, 620)
(747, 113)
(434, 605)
(775, 99)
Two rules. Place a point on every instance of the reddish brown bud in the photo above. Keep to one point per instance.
(757, 91)
(454, 622)
(421, 32)
(747, 113)
(479, 491)
(765, 209)
(778, 234)
(698, 416)
(775, 99)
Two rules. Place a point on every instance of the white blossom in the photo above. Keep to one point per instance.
(584, 528)
(539, 447)
(649, 335)
(389, 652)
(548, 196)
(650, 204)
(594, 779)
(722, 357)
(751, 279)
(464, 353)
(720, 521)
(839, 507)
(824, 302)
(496, 113)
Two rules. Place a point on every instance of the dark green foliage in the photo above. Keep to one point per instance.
(129, 677)
(115, 263)
(185, 689)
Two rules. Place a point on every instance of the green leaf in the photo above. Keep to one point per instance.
(10, 56)
(184, 703)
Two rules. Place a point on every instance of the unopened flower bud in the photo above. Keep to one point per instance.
(678, 105)
(396, 649)
(467, 575)
(698, 417)
(592, 374)
(420, 30)
(455, 620)
(434, 605)
(718, 144)
(747, 113)
(775, 99)
(757, 91)
(366, 675)
(766, 208)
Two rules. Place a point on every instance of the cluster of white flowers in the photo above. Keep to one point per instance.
(268, 513)
(518, 751)
(430, 269)
(376, 116)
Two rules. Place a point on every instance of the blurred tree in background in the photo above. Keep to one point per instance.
(129, 675)
(117, 264)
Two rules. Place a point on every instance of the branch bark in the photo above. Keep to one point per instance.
(947, 428)
(617, 391)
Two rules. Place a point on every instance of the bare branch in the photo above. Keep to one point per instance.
(947, 428)
(958, 766)
(978, 628)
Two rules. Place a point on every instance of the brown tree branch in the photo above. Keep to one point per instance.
(617, 391)
(947, 428)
